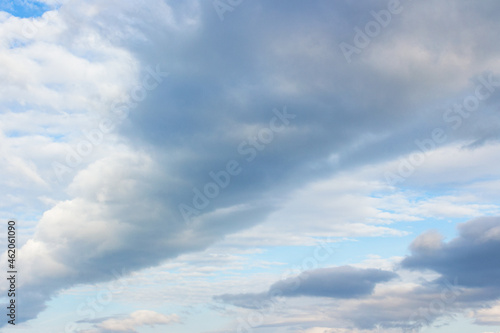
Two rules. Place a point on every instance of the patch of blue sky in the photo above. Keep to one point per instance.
(61, 311)
(15, 133)
(295, 258)
(14, 106)
(352, 250)
(194, 319)
(56, 137)
(17, 43)
(77, 307)
(459, 324)
(77, 310)
(24, 8)
(391, 246)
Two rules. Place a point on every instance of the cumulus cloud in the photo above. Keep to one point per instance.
(87, 238)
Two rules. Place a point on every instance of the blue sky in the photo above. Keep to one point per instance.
(24, 9)
(252, 166)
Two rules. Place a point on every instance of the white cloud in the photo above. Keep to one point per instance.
(137, 319)
(487, 316)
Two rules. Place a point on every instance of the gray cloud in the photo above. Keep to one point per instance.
(472, 257)
(467, 267)
(469, 270)
(334, 282)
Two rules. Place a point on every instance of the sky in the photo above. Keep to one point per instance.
(222, 166)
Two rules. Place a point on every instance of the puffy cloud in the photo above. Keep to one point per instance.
(335, 282)
(471, 257)
(114, 224)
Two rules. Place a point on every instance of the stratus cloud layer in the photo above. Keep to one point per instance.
(224, 81)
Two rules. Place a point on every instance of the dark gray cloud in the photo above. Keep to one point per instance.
(469, 271)
(468, 281)
(472, 257)
(355, 111)
(333, 282)
(129, 323)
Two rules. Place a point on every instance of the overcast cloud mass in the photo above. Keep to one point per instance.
(251, 166)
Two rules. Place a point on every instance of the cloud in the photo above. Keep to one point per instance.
(467, 268)
(487, 316)
(472, 257)
(437, 282)
(464, 278)
(121, 208)
(87, 238)
(334, 282)
(135, 320)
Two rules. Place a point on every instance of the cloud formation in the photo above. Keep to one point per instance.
(472, 257)
(461, 281)
(135, 320)
(334, 282)
(119, 208)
